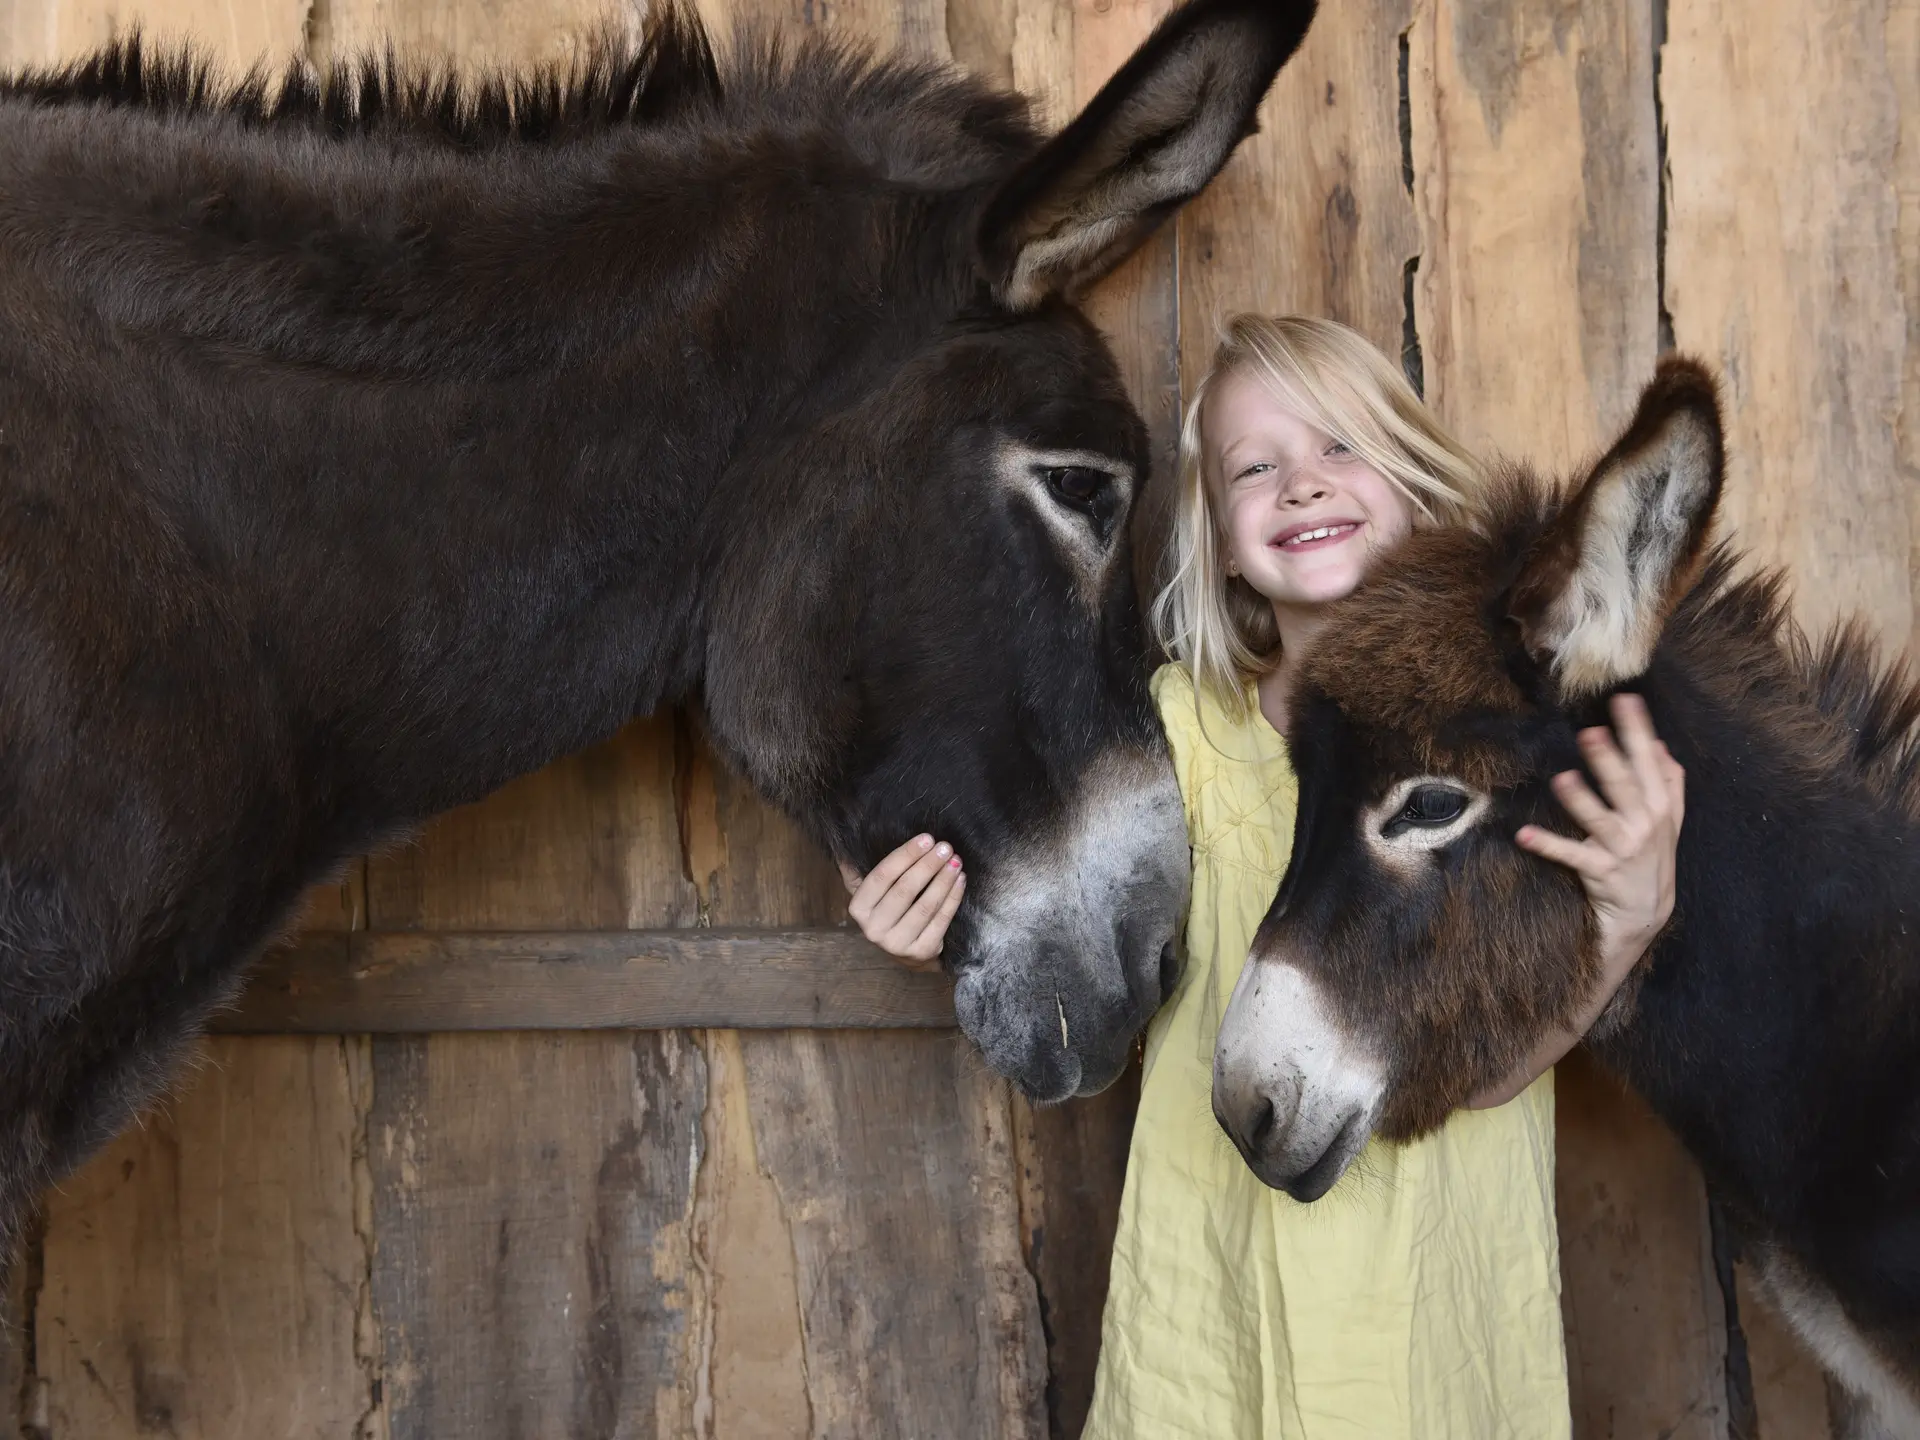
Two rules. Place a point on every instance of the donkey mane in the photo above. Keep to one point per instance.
(1851, 712)
(618, 79)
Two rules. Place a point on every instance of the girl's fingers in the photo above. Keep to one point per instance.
(937, 927)
(880, 879)
(1580, 856)
(1589, 811)
(851, 878)
(1634, 724)
(1676, 779)
(1617, 780)
(909, 930)
(888, 909)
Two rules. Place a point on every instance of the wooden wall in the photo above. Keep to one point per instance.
(841, 1225)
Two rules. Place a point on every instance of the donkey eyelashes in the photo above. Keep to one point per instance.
(1426, 807)
(1421, 813)
(1077, 485)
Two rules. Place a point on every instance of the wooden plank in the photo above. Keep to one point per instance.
(1312, 215)
(1903, 69)
(238, 32)
(421, 982)
(531, 1196)
(206, 1275)
(1535, 162)
(915, 27)
(1646, 1325)
(463, 32)
(1783, 269)
(892, 1157)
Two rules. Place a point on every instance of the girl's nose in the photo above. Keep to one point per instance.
(1303, 488)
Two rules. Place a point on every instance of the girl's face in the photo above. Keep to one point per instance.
(1304, 515)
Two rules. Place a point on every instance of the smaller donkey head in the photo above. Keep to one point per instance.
(1415, 954)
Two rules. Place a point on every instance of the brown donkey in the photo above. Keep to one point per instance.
(1415, 953)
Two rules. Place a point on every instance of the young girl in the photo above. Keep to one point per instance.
(1420, 1297)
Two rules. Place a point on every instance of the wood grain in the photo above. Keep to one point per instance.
(532, 1194)
(237, 32)
(892, 1157)
(465, 32)
(206, 1274)
(1783, 269)
(1535, 162)
(1646, 1323)
(1311, 216)
(420, 982)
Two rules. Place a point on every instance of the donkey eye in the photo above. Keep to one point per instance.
(1427, 807)
(1079, 487)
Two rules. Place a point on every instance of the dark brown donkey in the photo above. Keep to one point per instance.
(366, 442)
(1415, 954)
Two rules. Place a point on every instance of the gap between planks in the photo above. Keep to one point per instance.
(423, 982)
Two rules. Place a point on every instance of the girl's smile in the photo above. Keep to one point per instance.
(1315, 534)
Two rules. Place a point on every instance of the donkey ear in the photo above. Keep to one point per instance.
(1150, 141)
(1597, 588)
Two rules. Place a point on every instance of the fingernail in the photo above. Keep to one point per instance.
(954, 864)
(923, 841)
(943, 848)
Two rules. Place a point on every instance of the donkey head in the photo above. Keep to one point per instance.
(953, 541)
(1415, 954)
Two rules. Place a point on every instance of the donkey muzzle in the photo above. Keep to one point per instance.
(1293, 1090)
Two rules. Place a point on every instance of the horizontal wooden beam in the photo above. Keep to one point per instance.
(412, 982)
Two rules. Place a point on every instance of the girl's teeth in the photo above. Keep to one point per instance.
(1320, 534)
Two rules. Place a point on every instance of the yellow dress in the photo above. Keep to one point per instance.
(1418, 1300)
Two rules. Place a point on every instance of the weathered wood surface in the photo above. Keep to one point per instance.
(420, 982)
(1312, 215)
(710, 1233)
(1793, 264)
(1783, 269)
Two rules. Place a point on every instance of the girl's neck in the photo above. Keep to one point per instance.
(1297, 626)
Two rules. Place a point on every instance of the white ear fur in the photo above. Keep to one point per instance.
(1607, 585)
(1149, 141)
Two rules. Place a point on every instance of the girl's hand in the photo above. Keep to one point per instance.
(1626, 862)
(906, 903)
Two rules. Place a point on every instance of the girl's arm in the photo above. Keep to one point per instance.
(1626, 863)
(905, 904)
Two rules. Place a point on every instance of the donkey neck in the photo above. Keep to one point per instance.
(1786, 989)
(455, 431)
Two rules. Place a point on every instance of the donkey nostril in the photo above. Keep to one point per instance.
(1169, 971)
(1262, 1125)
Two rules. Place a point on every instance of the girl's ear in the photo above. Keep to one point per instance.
(1150, 141)
(1596, 590)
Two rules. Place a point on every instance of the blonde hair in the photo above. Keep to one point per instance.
(1218, 626)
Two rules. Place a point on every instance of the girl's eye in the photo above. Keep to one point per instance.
(1259, 467)
(1428, 807)
(1339, 449)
